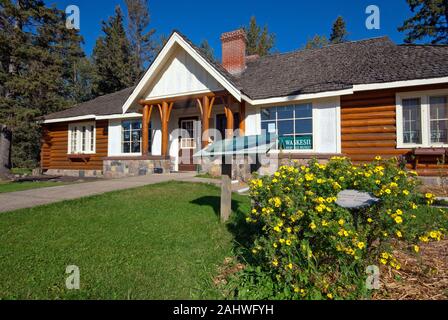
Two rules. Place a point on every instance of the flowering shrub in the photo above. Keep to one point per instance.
(308, 247)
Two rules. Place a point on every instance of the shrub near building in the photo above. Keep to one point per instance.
(308, 247)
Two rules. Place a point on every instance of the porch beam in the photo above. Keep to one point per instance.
(205, 120)
(165, 109)
(183, 98)
(145, 129)
(229, 116)
(242, 125)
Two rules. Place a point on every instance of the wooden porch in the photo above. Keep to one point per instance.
(205, 104)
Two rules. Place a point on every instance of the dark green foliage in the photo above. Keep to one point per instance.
(143, 46)
(430, 21)
(259, 40)
(113, 58)
(38, 71)
(338, 31)
(208, 50)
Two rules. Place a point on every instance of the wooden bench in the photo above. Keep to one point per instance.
(428, 152)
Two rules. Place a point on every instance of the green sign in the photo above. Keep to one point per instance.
(296, 143)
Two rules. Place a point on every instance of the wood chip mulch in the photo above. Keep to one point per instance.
(420, 278)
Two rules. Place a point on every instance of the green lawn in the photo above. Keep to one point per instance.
(157, 242)
(21, 186)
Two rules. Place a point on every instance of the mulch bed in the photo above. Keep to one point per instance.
(420, 278)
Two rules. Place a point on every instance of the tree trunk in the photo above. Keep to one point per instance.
(5, 152)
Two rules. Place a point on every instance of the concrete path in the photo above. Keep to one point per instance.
(35, 197)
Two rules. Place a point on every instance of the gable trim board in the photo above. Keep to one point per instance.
(160, 61)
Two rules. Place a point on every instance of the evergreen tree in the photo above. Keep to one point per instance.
(142, 44)
(259, 40)
(430, 21)
(37, 55)
(207, 49)
(113, 59)
(338, 31)
(317, 42)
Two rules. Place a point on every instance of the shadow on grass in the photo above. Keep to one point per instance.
(243, 232)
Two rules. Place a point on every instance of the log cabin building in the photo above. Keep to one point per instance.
(359, 99)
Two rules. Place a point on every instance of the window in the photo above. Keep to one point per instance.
(131, 139)
(81, 138)
(293, 125)
(422, 119)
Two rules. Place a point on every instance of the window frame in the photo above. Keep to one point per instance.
(79, 137)
(130, 134)
(425, 118)
(294, 119)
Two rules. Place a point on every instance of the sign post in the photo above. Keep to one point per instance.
(226, 198)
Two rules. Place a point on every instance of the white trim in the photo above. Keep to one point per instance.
(78, 118)
(163, 55)
(398, 84)
(120, 116)
(88, 137)
(93, 117)
(425, 118)
(300, 97)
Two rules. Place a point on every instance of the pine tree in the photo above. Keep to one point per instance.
(259, 40)
(430, 21)
(142, 44)
(113, 59)
(317, 42)
(207, 49)
(338, 31)
(37, 54)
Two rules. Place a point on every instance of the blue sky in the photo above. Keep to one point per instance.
(293, 21)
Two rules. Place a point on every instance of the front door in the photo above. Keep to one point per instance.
(187, 144)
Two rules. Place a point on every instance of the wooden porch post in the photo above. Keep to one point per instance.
(147, 111)
(229, 117)
(242, 118)
(165, 112)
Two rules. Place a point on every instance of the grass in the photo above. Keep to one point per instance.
(21, 186)
(208, 176)
(162, 241)
(21, 171)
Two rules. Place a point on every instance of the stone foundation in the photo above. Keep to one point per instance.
(120, 168)
(75, 173)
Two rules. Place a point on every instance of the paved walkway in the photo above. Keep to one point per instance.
(35, 197)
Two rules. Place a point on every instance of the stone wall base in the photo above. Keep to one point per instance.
(133, 168)
(75, 173)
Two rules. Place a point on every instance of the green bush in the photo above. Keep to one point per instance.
(307, 247)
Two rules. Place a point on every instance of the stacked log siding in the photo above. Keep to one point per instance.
(54, 153)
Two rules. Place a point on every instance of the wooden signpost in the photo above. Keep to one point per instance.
(226, 198)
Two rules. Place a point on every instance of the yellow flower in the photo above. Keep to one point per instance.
(330, 296)
(288, 242)
(378, 158)
(275, 245)
(309, 177)
(414, 206)
(254, 251)
(320, 181)
(341, 222)
(289, 230)
(282, 241)
(416, 248)
(387, 191)
(361, 245)
(275, 263)
(399, 234)
(324, 223)
(289, 266)
(429, 195)
(399, 212)
(277, 174)
(383, 261)
(406, 192)
(398, 220)
(274, 180)
(313, 226)
(277, 229)
(369, 220)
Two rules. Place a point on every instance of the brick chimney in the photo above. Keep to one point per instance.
(234, 51)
